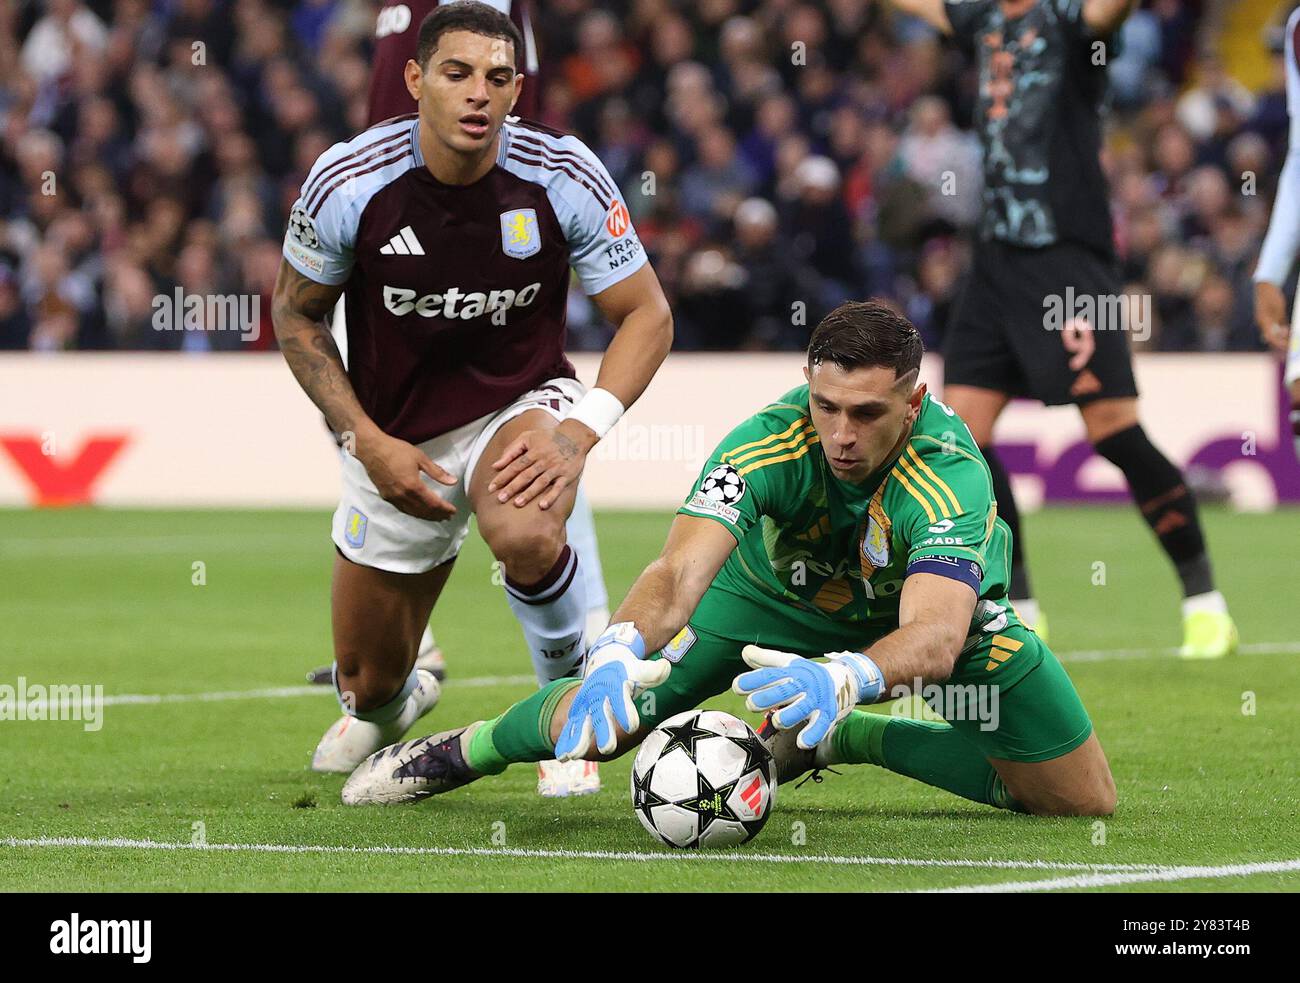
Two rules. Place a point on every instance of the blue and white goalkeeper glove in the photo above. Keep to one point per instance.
(613, 676)
(800, 691)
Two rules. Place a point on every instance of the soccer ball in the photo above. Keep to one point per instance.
(703, 778)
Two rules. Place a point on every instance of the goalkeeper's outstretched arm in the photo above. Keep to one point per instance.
(666, 594)
(934, 615)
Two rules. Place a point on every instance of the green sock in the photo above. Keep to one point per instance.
(929, 751)
(522, 733)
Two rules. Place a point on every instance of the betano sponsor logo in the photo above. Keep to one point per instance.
(455, 304)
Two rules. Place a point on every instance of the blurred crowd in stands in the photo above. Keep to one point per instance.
(777, 157)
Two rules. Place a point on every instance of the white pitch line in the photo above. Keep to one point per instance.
(270, 693)
(71, 547)
(289, 692)
(1107, 655)
(1163, 874)
(120, 843)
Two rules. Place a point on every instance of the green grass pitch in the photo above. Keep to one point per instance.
(1204, 754)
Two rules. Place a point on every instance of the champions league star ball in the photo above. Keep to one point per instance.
(723, 484)
(703, 779)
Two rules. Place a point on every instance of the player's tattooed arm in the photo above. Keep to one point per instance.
(298, 310)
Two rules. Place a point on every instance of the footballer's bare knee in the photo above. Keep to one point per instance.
(1096, 799)
(371, 682)
(527, 544)
(1078, 783)
(1104, 418)
(978, 408)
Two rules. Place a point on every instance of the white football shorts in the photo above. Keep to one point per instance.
(371, 532)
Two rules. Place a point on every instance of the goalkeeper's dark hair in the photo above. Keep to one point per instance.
(465, 15)
(864, 334)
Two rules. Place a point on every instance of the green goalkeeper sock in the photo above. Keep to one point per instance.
(522, 733)
(929, 751)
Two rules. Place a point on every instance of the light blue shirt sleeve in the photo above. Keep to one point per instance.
(1278, 254)
(322, 224)
(603, 246)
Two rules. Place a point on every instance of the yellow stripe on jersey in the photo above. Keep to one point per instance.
(735, 452)
(943, 485)
(811, 440)
(794, 443)
(924, 485)
(902, 480)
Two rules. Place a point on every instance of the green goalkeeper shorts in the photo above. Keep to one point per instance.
(1035, 717)
(1030, 714)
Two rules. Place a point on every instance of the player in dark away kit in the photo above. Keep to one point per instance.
(1046, 253)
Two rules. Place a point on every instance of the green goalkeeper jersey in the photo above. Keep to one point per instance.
(821, 561)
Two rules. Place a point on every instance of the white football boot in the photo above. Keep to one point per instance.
(413, 770)
(350, 740)
(560, 779)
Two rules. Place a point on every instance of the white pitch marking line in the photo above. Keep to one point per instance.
(119, 843)
(271, 693)
(70, 547)
(1106, 655)
(1165, 874)
(287, 692)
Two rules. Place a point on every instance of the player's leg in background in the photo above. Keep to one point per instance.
(1294, 391)
(1169, 508)
(1291, 376)
(980, 409)
(377, 618)
(581, 532)
(558, 779)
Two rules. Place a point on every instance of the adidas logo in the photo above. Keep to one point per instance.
(403, 244)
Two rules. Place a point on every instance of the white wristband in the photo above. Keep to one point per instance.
(599, 410)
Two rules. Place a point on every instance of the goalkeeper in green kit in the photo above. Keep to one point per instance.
(853, 519)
